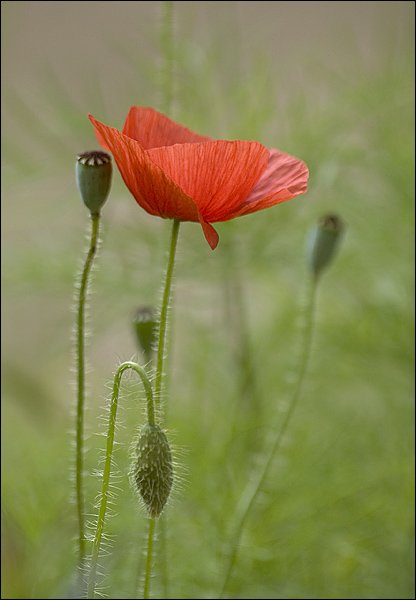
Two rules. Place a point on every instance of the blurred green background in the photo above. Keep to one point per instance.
(330, 82)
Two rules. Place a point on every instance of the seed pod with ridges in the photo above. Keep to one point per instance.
(93, 174)
(144, 323)
(323, 242)
(153, 470)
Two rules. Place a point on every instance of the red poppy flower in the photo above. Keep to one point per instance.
(175, 173)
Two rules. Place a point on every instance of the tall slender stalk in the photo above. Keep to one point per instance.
(164, 313)
(167, 46)
(149, 558)
(108, 459)
(166, 101)
(253, 488)
(80, 367)
(163, 318)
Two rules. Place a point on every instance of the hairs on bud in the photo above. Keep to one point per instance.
(152, 470)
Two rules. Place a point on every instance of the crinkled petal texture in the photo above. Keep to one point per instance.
(175, 173)
(217, 175)
(284, 178)
(151, 187)
(153, 130)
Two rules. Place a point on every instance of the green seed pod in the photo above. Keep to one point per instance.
(144, 324)
(93, 173)
(153, 470)
(323, 242)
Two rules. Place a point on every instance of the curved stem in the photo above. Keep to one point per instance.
(149, 558)
(80, 368)
(164, 312)
(108, 459)
(253, 488)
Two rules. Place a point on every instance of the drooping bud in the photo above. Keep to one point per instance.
(153, 470)
(323, 242)
(144, 323)
(93, 174)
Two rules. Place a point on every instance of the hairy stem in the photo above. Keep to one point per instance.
(108, 459)
(159, 383)
(252, 490)
(80, 368)
(164, 313)
(163, 558)
(167, 46)
(149, 558)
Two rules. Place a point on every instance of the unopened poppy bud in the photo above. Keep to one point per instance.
(323, 242)
(93, 174)
(144, 323)
(152, 473)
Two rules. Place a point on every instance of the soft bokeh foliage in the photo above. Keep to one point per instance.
(329, 82)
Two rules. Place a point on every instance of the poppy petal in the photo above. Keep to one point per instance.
(151, 187)
(284, 178)
(152, 129)
(218, 175)
(211, 235)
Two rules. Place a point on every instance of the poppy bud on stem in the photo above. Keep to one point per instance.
(93, 176)
(323, 242)
(153, 470)
(144, 324)
(322, 246)
(152, 473)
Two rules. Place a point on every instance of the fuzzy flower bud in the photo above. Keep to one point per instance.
(152, 474)
(323, 242)
(93, 174)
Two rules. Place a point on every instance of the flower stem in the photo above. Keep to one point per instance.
(108, 459)
(163, 558)
(80, 368)
(149, 558)
(252, 490)
(164, 313)
(157, 396)
(167, 47)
